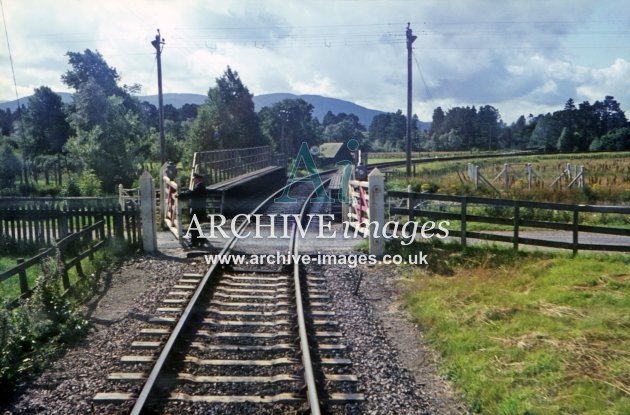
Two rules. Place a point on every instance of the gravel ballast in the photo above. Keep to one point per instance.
(397, 371)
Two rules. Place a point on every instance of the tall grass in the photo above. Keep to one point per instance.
(607, 178)
(528, 333)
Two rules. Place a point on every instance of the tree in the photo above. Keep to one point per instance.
(6, 122)
(437, 121)
(203, 134)
(566, 141)
(616, 140)
(45, 125)
(388, 131)
(343, 132)
(289, 123)
(329, 119)
(229, 116)
(610, 115)
(10, 166)
(110, 146)
(105, 120)
(546, 133)
(520, 133)
(91, 65)
(487, 127)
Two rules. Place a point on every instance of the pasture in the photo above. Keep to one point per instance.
(606, 178)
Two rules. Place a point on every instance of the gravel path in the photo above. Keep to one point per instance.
(397, 371)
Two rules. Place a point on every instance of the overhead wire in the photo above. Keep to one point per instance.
(17, 95)
(6, 35)
(426, 87)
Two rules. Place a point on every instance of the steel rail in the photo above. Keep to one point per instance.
(152, 380)
(307, 363)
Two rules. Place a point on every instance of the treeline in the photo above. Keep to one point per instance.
(601, 126)
(106, 136)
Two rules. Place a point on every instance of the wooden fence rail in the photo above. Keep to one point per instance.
(44, 223)
(458, 208)
(88, 241)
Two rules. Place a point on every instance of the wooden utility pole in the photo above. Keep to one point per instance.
(410, 40)
(157, 43)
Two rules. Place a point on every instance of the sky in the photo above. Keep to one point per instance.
(522, 57)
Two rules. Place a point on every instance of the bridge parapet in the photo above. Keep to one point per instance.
(221, 165)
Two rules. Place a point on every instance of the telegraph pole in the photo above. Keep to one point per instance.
(410, 39)
(157, 43)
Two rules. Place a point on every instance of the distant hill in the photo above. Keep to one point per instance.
(321, 104)
(176, 100)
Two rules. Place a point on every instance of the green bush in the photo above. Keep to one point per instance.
(27, 189)
(90, 184)
(35, 330)
(71, 189)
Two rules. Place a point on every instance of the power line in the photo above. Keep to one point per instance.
(426, 88)
(6, 34)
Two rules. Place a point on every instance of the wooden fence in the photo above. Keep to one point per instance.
(42, 221)
(86, 241)
(513, 213)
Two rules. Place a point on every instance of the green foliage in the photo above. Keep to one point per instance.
(105, 120)
(288, 123)
(89, 184)
(10, 166)
(227, 119)
(71, 188)
(388, 131)
(106, 139)
(616, 140)
(46, 128)
(568, 130)
(32, 332)
(41, 326)
(203, 135)
(91, 67)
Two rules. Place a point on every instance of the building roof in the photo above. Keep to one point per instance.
(330, 150)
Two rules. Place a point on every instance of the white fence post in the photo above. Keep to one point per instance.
(376, 193)
(147, 211)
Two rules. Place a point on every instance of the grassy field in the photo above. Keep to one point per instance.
(529, 333)
(607, 178)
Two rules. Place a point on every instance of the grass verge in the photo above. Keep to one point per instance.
(528, 333)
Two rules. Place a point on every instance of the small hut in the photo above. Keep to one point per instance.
(331, 153)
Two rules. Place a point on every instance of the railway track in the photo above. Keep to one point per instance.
(249, 340)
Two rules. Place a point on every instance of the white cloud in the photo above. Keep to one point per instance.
(517, 57)
(613, 80)
(318, 85)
